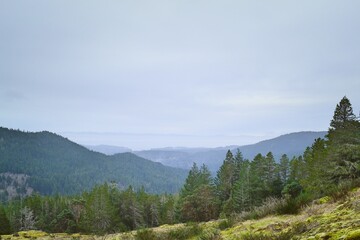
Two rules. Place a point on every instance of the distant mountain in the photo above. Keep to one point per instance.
(107, 149)
(292, 144)
(53, 164)
(185, 159)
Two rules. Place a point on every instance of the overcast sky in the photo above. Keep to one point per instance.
(145, 74)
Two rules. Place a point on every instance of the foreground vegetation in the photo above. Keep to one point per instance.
(258, 199)
(332, 217)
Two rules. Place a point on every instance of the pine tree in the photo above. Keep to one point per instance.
(191, 182)
(27, 219)
(269, 170)
(197, 200)
(316, 166)
(343, 143)
(297, 168)
(241, 194)
(238, 161)
(4, 222)
(99, 211)
(344, 127)
(284, 169)
(343, 114)
(225, 177)
(257, 180)
(130, 211)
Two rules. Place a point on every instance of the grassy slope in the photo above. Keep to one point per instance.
(324, 219)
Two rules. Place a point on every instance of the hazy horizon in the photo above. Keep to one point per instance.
(177, 73)
(154, 141)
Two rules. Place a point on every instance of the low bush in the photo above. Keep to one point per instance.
(210, 234)
(226, 223)
(145, 234)
(341, 191)
(185, 232)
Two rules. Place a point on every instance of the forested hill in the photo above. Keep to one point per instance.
(108, 150)
(56, 165)
(292, 144)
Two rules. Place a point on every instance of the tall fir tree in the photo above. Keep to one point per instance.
(316, 167)
(257, 180)
(197, 200)
(284, 169)
(242, 188)
(343, 143)
(4, 222)
(225, 177)
(343, 114)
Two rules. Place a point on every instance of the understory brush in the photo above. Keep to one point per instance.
(274, 206)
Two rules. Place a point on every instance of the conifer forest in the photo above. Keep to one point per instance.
(238, 188)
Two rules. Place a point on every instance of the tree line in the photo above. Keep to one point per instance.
(239, 186)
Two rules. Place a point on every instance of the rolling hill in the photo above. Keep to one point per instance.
(108, 149)
(53, 164)
(292, 144)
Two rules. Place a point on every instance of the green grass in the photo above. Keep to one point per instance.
(326, 218)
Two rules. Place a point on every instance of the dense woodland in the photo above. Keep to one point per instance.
(59, 166)
(239, 186)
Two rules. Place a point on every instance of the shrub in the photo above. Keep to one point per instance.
(341, 191)
(270, 206)
(275, 206)
(210, 234)
(186, 232)
(313, 209)
(292, 189)
(289, 206)
(145, 234)
(226, 223)
(304, 198)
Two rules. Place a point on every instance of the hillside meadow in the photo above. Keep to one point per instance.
(331, 217)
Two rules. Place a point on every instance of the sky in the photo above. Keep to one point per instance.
(199, 73)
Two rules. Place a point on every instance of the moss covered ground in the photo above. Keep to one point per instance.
(323, 219)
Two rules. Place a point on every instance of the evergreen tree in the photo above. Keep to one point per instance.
(225, 177)
(343, 114)
(191, 182)
(296, 175)
(257, 180)
(315, 167)
(343, 143)
(272, 178)
(284, 169)
(242, 188)
(99, 211)
(130, 211)
(201, 205)
(27, 219)
(197, 200)
(167, 209)
(4, 222)
(238, 161)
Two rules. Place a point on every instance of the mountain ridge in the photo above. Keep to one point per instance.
(292, 144)
(58, 165)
